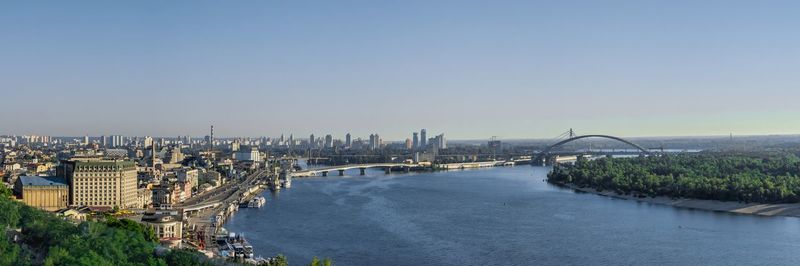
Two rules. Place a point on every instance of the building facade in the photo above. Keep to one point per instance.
(44, 192)
(423, 138)
(188, 175)
(249, 154)
(165, 224)
(101, 183)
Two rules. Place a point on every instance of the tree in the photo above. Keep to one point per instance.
(280, 260)
(753, 177)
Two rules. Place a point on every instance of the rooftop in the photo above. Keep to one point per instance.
(40, 181)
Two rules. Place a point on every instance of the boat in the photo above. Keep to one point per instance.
(257, 202)
(237, 246)
(239, 249)
(248, 251)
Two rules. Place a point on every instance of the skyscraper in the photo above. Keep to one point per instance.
(328, 141)
(104, 141)
(409, 144)
(347, 141)
(116, 141)
(423, 138)
(415, 140)
(312, 142)
(372, 141)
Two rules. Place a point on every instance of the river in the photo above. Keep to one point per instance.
(499, 216)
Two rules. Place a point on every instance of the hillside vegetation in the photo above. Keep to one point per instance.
(44, 239)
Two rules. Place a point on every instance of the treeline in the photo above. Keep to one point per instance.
(44, 239)
(764, 178)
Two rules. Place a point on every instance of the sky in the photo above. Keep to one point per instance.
(469, 69)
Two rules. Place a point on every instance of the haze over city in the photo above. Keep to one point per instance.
(473, 69)
(438, 132)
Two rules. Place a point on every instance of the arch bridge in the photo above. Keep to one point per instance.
(543, 153)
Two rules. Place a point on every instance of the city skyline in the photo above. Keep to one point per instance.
(517, 70)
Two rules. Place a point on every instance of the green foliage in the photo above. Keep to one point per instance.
(49, 240)
(280, 260)
(5, 192)
(129, 225)
(180, 257)
(9, 213)
(765, 178)
(316, 262)
(9, 253)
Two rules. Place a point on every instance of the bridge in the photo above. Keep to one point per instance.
(572, 137)
(363, 167)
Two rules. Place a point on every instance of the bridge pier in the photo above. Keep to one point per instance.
(387, 170)
(324, 173)
(341, 172)
(406, 169)
(363, 171)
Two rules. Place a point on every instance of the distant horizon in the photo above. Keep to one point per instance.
(449, 140)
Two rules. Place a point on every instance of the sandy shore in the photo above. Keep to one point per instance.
(789, 209)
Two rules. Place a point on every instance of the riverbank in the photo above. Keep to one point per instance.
(762, 209)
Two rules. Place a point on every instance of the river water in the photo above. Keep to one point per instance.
(499, 216)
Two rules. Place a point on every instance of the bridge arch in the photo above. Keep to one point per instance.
(558, 144)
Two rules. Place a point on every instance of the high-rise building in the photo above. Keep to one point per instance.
(116, 141)
(409, 144)
(371, 141)
(415, 141)
(348, 142)
(374, 141)
(86, 140)
(423, 138)
(235, 145)
(101, 183)
(104, 141)
(312, 142)
(148, 141)
(441, 142)
(328, 141)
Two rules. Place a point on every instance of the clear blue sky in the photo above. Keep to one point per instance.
(471, 69)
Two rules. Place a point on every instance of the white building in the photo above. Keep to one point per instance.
(250, 154)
